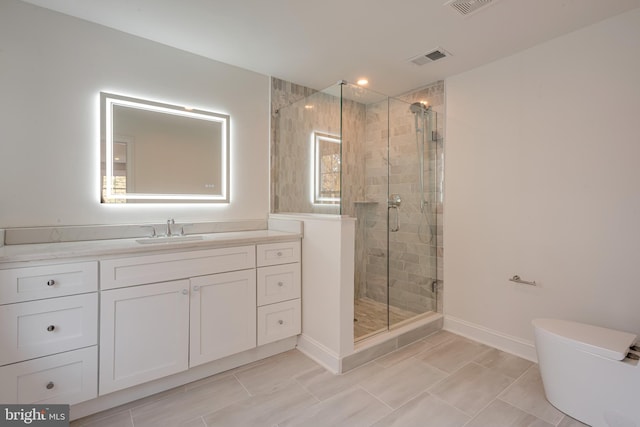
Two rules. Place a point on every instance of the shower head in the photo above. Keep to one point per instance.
(419, 107)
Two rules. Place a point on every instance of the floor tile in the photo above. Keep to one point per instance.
(453, 354)
(120, 419)
(127, 406)
(567, 421)
(527, 394)
(504, 363)
(471, 388)
(284, 401)
(440, 337)
(442, 380)
(398, 384)
(193, 403)
(405, 353)
(352, 408)
(196, 422)
(424, 411)
(501, 414)
(276, 370)
(323, 384)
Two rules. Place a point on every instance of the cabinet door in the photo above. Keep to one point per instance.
(144, 333)
(223, 315)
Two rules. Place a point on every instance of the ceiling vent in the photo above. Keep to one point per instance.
(469, 7)
(433, 55)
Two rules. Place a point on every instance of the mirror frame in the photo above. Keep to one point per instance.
(108, 137)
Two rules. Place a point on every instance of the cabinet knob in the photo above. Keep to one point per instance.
(280, 322)
(196, 288)
(281, 284)
(50, 385)
(51, 328)
(279, 254)
(185, 291)
(51, 282)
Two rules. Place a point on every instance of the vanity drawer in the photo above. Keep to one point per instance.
(117, 273)
(278, 253)
(278, 321)
(69, 378)
(278, 283)
(32, 283)
(40, 328)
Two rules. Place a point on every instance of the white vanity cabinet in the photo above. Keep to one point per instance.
(49, 333)
(278, 288)
(123, 322)
(150, 328)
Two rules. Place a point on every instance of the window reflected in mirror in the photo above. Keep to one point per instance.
(327, 159)
(155, 152)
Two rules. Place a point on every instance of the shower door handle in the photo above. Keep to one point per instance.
(394, 203)
(397, 226)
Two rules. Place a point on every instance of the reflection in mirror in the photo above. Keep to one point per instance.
(153, 152)
(326, 177)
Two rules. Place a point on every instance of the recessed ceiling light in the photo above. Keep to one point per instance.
(362, 82)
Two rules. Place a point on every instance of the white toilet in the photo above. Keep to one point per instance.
(589, 373)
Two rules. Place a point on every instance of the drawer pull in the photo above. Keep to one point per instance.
(280, 322)
(51, 328)
(279, 253)
(50, 385)
(196, 288)
(281, 284)
(185, 291)
(51, 282)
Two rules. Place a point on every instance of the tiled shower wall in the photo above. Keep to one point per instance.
(416, 253)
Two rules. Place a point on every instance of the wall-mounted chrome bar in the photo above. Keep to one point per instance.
(517, 279)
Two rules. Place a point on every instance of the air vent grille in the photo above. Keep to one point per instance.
(468, 7)
(433, 55)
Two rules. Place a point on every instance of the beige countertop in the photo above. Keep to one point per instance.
(116, 247)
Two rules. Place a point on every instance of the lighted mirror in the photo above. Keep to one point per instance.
(154, 152)
(326, 177)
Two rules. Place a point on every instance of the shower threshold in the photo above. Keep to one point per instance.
(400, 335)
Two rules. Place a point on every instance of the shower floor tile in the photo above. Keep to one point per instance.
(370, 317)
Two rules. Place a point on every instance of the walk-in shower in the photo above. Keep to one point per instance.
(351, 151)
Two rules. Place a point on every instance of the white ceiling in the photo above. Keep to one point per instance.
(316, 43)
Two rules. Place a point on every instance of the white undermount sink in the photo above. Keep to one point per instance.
(168, 239)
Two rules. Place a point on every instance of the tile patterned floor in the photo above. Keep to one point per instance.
(370, 317)
(443, 380)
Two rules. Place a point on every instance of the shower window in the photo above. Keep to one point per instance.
(326, 168)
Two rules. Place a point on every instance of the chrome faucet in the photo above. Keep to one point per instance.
(170, 222)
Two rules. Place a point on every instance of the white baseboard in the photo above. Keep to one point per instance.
(499, 340)
(319, 353)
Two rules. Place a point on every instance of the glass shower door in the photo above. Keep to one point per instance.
(412, 212)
